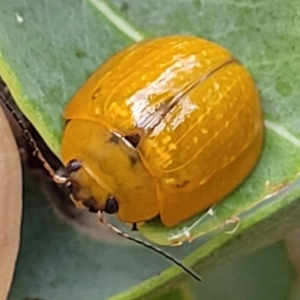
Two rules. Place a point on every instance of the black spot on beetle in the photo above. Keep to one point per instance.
(133, 159)
(114, 139)
(95, 93)
(133, 139)
(182, 184)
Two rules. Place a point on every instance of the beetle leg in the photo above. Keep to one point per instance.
(134, 227)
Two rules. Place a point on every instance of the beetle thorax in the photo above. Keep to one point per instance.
(110, 167)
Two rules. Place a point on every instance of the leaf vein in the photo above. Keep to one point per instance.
(283, 132)
(117, 20)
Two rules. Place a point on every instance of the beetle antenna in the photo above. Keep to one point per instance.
(152, 247)
(29, 138)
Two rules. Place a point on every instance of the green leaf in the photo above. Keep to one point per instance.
(49, 48)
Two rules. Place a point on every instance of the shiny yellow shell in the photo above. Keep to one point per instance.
(194, 112)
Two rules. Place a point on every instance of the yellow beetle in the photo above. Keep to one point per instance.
(168, 126)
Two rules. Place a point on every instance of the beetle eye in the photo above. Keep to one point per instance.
(111, 206)
(133, 139)
(73, 166)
